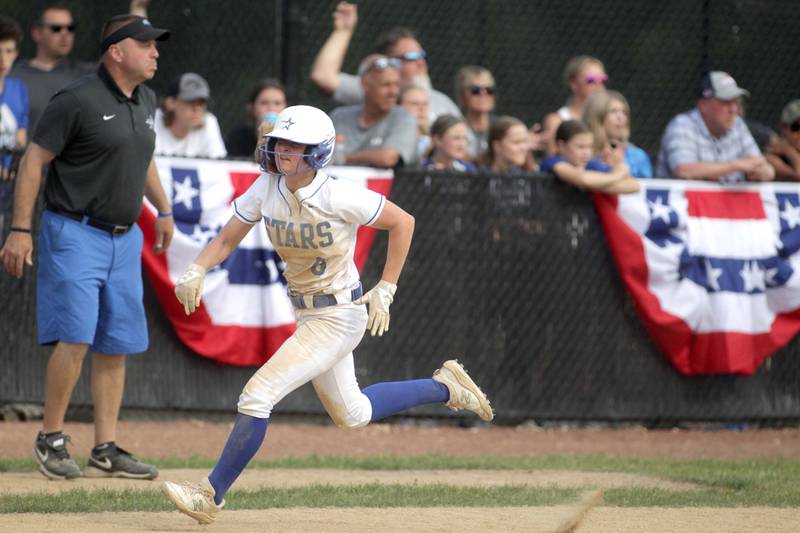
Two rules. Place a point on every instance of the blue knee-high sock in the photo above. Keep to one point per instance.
(395, 396)
(243, 443)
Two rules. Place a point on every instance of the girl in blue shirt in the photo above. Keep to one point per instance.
(449, 137)
(574, 163)
(608, 116)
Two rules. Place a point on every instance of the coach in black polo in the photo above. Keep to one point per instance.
(97, 137)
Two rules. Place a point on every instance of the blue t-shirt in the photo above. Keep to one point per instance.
(13, 111)
(458, 164)
(638, 161)
(549, 163)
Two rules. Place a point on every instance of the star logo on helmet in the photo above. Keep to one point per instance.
(287, 124)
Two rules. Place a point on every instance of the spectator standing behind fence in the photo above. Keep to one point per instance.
(574, 165)
(415, 100)
(475, 93)
(97, 138)
(784, 152)
(184, 126)
(712, 141)
(508, 147)
(13, 109)
(51, 68)
(13, 98)
(449, 145)
(377, 132)
(583, 75)
(266, 100)
(399, 43)
(607, 114)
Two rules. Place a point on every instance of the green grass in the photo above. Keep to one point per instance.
(366, 495)
(724, 483)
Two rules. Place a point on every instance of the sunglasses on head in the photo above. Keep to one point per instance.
(383, 63)
(413, 56)
(795, 126)
(592, 78)
(478, 89)
(57, 28)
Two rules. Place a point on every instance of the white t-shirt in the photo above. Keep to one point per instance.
(313, 229)
(205, 141)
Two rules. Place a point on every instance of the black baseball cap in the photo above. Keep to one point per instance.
(139, 29)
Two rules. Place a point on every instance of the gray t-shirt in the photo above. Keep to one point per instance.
(43, 84)
(398, 130)
(349, 92)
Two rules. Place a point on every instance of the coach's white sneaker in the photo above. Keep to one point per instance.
(194, 499)
(464, 393)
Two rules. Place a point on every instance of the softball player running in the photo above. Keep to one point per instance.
(312, 221)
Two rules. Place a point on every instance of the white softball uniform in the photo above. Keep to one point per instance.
(314, 232)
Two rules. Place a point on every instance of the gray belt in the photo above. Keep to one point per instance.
(326, 300)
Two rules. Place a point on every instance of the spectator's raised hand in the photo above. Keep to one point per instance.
(139, 7)
(345, 17)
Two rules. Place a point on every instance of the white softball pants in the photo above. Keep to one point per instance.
(320, 351)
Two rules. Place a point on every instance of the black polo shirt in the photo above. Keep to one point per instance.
(103, 143)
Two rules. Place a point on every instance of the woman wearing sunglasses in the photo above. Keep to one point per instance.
(475, 94)
(607, 114)
(583, 75)
(784, 154)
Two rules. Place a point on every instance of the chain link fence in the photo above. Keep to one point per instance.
(654, 52)
(512, 275)
(509, 274)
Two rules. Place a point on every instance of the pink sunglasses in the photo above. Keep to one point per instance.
(592, 79)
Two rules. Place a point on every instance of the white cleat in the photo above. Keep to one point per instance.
(194, 499)
(464, 393)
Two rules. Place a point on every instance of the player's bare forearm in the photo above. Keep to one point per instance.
(400, 226)
(29, 180)
(223, 244)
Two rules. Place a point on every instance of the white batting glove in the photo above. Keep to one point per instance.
(379, 299)
(190, 287)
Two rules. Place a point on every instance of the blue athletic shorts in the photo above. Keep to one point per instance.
(89, 286)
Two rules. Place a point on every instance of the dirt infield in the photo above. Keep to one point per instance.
(206, 439)
(436, 519)
(185, 438)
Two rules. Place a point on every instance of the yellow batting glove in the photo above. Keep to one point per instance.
(190, 287)
(378, 299)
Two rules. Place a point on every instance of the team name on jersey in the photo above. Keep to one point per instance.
(291, 235)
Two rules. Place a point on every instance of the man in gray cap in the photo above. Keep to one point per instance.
(184, 126)
(784, 154)
(712, 141)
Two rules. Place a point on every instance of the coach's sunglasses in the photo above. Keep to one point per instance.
(57, 28)
(413, 56)
(478, 89)
(795, 127)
